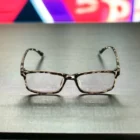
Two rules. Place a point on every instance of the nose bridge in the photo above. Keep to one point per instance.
(70, 77)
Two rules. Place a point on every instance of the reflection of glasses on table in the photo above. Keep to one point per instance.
(92, 82)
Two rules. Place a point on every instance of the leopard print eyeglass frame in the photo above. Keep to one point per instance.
(77, 77)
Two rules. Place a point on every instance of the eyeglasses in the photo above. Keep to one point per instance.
(92, 82)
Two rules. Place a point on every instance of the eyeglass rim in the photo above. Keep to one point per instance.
(76, 75)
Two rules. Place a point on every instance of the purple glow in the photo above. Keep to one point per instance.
(58, 10)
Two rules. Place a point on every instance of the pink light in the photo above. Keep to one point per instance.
(100, 10)
(9, 9)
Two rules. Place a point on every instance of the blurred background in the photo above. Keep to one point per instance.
(69, 11)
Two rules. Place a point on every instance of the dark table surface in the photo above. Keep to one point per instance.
(70, 49)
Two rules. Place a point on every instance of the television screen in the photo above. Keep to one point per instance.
(69, 11)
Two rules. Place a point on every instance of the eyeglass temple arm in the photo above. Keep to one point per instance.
(116, 56)
(24, 56)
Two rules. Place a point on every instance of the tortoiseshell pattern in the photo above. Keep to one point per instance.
(74, 77)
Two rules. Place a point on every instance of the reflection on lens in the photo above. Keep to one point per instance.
(96, 82)
(44, 82)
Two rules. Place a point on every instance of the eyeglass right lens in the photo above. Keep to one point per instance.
(44, 82)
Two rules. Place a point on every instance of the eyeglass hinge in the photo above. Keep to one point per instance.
(117, 72)
(22, 71)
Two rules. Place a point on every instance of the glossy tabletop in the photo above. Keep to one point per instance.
(70, 48)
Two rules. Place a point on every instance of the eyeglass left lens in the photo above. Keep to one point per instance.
(44, 82)
(96, 82)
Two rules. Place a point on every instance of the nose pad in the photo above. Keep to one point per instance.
(79, 82)
(62, 82)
